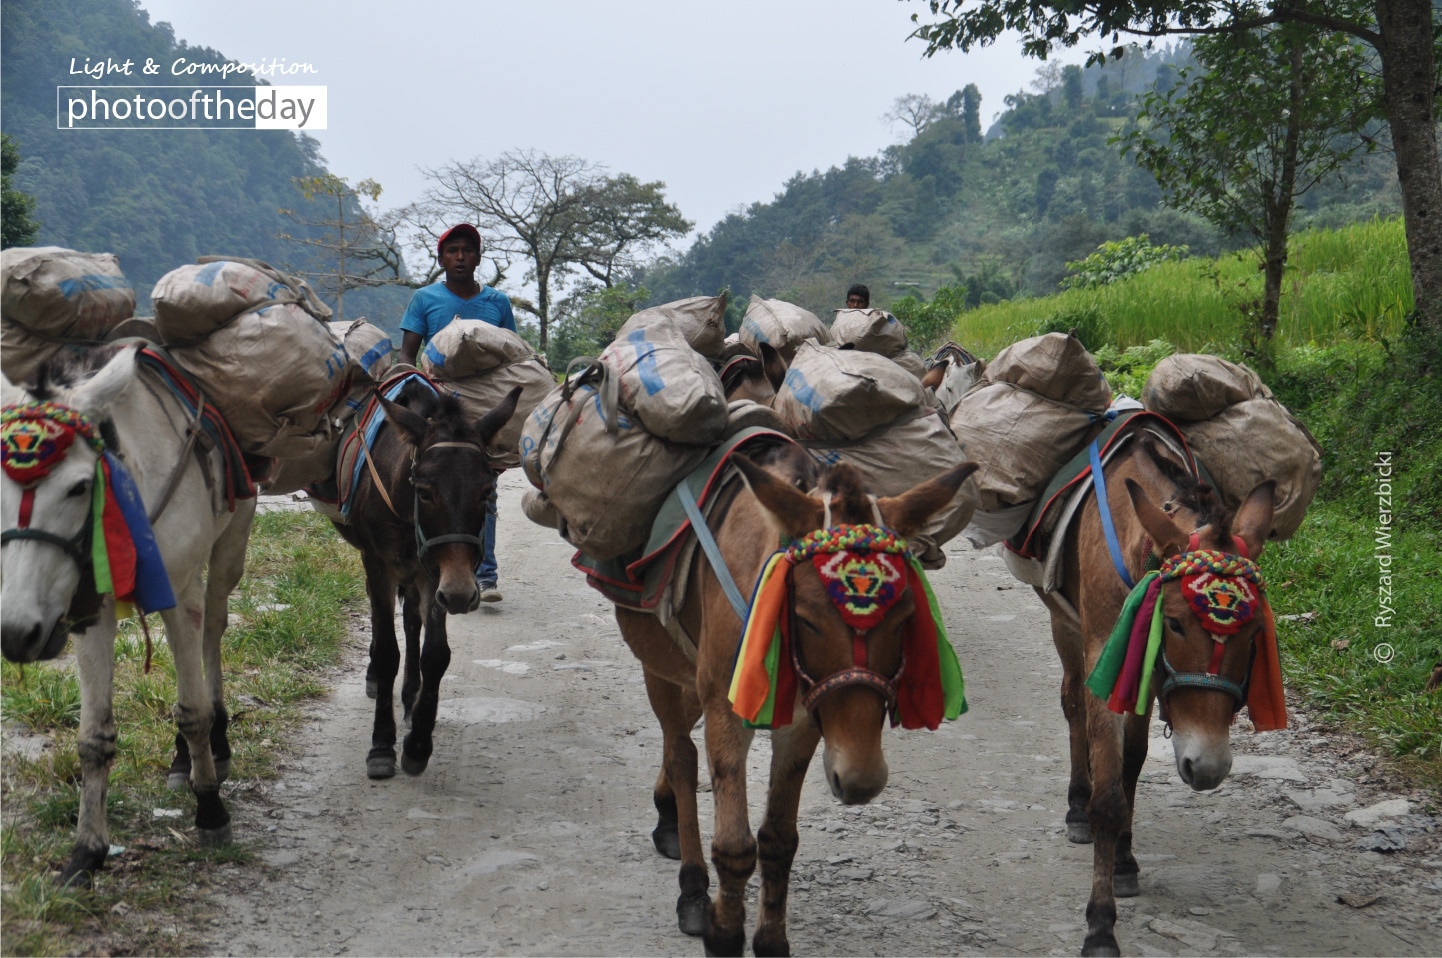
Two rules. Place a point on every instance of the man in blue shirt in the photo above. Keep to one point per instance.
(431, 309)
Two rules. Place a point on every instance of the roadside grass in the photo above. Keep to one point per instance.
(288, 625)
(1346, 284)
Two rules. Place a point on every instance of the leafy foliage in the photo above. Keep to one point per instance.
(16, 226)
(928, 325)
(1119, 259)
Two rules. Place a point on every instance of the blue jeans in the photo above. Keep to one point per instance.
(486, 570)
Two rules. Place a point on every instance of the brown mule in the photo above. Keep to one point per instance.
(753, 374)
(1157, 506)
(749, 522)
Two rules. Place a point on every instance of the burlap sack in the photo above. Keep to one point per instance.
(194, 300)
(781, 325)
(62, 295)
(874, 330)
(466, 347)
(482, 392)
(279, 376)
(1239, 431)
(844, 394)
(910, 451)
(603, 476)
(1055, 366)
(700, 320)
(368, 345)
(22, 352)
(1020, 439)
(1187, 387)
(670, 388)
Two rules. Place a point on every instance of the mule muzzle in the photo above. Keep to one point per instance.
(23, 642)
(1201, 762)
(854, 783)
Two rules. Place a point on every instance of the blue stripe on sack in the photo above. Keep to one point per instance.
(437, 359)
(646, 366)
(70, 288)
(209, 272)
(803, 391)
(377, 352)
(751, 326)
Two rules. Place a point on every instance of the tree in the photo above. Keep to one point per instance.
(916, 110)
(559, 214)
(1400, 31)
(16, 226)
(354, 252)
(1244, 169)
(971, 112)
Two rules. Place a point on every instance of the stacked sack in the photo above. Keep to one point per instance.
(609, 444)
(876, 331)
(700, 320)
(51, 298)
(371, 349)
(857, 406)
(780, 325)
(1239, 431)
(481, 363)
(1027, 415)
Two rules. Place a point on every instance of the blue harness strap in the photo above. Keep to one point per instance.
(1099, 482)
(712, 550)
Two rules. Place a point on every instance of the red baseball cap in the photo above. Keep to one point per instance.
(459, 231)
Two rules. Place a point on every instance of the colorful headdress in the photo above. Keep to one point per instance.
(865, 570)
(34, 438)
(1224, 591)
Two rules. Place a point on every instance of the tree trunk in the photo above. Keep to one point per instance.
(1280, 202)
(1409, 80)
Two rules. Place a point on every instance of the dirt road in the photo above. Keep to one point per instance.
(530, 832)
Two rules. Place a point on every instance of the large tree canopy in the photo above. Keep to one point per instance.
(1401, 32)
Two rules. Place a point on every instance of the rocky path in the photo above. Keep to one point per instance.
(529, 833)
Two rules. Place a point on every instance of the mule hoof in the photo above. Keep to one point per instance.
(668, 842)
(372, 688)
(222, 770)
(691, 914)
(1079, 833)
(381, 763)
(176, 779)
(1101, 945)
(1126, 885)
(216, 837)
(413, 765)
(770, 947)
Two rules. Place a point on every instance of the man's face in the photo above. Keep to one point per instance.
(855, 301)
(459, 259)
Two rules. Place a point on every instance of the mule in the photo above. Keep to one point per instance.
(415, 516)
(49, 584)
(1160, 512)
(846, 688)
(754, 374)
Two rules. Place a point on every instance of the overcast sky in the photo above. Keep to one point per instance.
(723, 101)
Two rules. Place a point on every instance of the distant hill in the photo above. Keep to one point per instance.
(1001, 213)
(155, 198)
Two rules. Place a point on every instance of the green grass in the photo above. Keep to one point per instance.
(1348, 284)
(289, 616)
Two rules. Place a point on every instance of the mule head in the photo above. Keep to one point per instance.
(452, 480)
(47, 518)
(1202, 676)
(754, 374)
(846, 675)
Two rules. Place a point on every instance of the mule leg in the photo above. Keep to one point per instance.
(1068, 641)
(792, 750)
(1125, 871)
(435, 659)
(679, 826)
(385, 661)
(411, 625)
(1108, 814)
(194, 711)
(95, 656)
(223, 574)
(733, 847)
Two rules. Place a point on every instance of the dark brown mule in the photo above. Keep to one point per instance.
(417, 532)
(747, 374)
(1156, 506)
(749, 522)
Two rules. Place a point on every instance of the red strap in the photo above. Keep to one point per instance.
(27, 506)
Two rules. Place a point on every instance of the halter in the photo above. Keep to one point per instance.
(36, 437)
(424, 544)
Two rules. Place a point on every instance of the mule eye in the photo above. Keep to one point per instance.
(807, 625)
(425, 493)
(81, 488)
(1175, 625)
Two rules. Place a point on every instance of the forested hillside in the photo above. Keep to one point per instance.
(1000, 213)
(156, 198)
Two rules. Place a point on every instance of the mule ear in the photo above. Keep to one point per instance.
(410, 425)
(491, 423)
(1253, 522)
(1168, 537)
(773, 365)
(936, 375)
(907, 513)
(97, 396)
(792, 512)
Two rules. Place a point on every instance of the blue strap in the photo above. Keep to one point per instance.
(1099, 482)
(712, 550)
